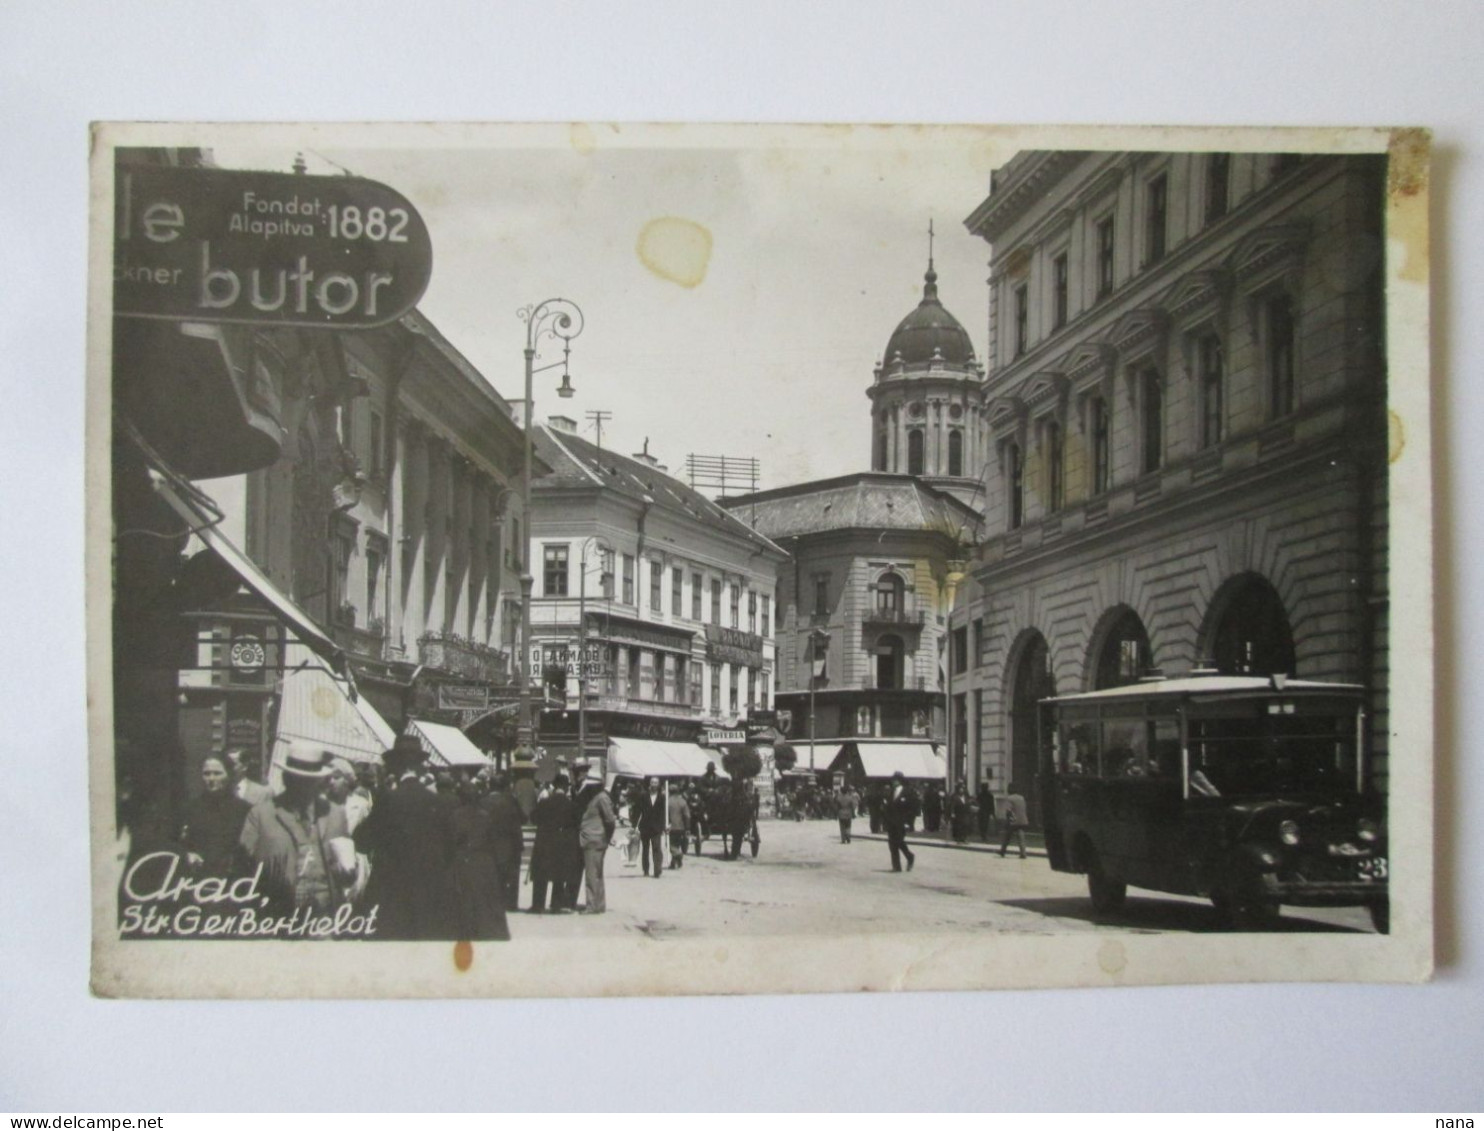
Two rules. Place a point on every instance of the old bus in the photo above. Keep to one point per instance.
(1251, 791)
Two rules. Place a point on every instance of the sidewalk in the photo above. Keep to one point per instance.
(1035, 843)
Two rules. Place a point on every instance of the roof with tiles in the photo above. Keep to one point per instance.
(867, 500)
(576, 462)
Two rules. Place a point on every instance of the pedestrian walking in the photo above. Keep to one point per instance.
(1013, 814)
(679, 825)
(648, 813)
(213, 821)
(985, 800)
(876, 805)
(507, 839)
(932, 810)
(899, 809)
(596, 827)
(847, 804)
(409, 837)
(960, 814)
(551, 854)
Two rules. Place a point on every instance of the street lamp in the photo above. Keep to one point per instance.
(819, 642)
(582, 643)
(562, 319)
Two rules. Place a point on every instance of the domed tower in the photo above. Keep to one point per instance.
(927, 402)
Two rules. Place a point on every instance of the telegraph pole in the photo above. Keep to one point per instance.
(597, 416)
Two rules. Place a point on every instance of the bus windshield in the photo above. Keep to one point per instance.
(1274, 753)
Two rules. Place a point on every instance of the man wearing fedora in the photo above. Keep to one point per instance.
(597, 824)
(290, 836)
(409, 836)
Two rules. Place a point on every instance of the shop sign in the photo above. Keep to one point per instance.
(632, 727)
(281, 249)
(733, 646)
(547, 656)
(463, 697)
(726, 737)
(613, 629)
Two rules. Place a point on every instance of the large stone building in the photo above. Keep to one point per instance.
(667, 598)
(1185, 408)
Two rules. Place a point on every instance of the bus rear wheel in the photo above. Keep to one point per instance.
(1107, 894)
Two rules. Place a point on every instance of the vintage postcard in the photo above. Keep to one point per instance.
(600, 560)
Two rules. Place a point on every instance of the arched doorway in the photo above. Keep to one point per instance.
(1121, 651)
(1030, 682)
(889, 651)
(1247, 630)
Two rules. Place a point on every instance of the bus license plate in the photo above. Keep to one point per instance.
(1372, 869)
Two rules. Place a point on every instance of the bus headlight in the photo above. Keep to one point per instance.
(1288, 832)
(1367, 830)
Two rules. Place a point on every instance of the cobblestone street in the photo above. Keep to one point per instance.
(805, 882)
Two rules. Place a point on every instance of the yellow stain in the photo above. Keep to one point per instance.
(676, 249)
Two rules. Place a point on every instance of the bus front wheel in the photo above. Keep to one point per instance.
(1107, 893)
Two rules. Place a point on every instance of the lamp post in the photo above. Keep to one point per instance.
(562, 319)
(582, 645)
(819, 641)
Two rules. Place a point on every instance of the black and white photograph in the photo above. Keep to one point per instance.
(952, 557)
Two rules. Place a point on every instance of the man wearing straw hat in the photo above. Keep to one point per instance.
(290, 836)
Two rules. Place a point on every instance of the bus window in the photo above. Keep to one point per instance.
(1275, 753)
(1079, 748)
(1125, 745)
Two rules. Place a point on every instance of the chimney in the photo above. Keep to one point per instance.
(645, 458)
(562, 424)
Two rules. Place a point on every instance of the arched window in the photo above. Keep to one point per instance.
(914, 452)
(890, 591)
(1124, 656)
(1248, 631)
(955, 452)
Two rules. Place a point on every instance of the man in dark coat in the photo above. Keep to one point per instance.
(556, 835)
(409, 836)
(649, 817)
(506, 838)
(985, 798)
(898, 811)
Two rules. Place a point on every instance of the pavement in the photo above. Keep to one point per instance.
(805, 882)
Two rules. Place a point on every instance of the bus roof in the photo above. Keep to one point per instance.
(1202, 685)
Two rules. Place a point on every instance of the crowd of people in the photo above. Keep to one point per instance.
(439, 856)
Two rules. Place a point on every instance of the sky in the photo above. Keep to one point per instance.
(818, 245)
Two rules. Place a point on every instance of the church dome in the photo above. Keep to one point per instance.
(928, 334)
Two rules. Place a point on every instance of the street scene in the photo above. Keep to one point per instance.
(779, 581)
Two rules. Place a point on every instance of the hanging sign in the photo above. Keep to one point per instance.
(283, 249)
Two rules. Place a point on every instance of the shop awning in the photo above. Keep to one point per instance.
(203, 524)
(647, 757)
(912, 759)
(446, 745)
(317, 708)
(824, 754)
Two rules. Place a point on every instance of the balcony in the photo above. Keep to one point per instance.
(900, 618)
(450, 652)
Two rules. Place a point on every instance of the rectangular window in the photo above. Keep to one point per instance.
(677, 591)
(715, 688)
(1280, 356)
(682, 685)
(716, 601)
(960, 650)
(821, 594)
(697, 674)
(1059, 291)
(628, 579)
(1152, 406)
(752, 610)
(978, 643)
(1211, 390)
(1156, 216)
(732, 682)
(554, 571)
(656, 585)
(1015, 479)
(1054, 461)
(605, 565)
(1022, 319)
(373, 581)
(378, 441)
(667, 688)
(1100, 445)
(632, 672)
(646, 674)
(1105, 256)
(765, 625)
(697, 592)
(734, 593)
(751, 689)
(1218, 185)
